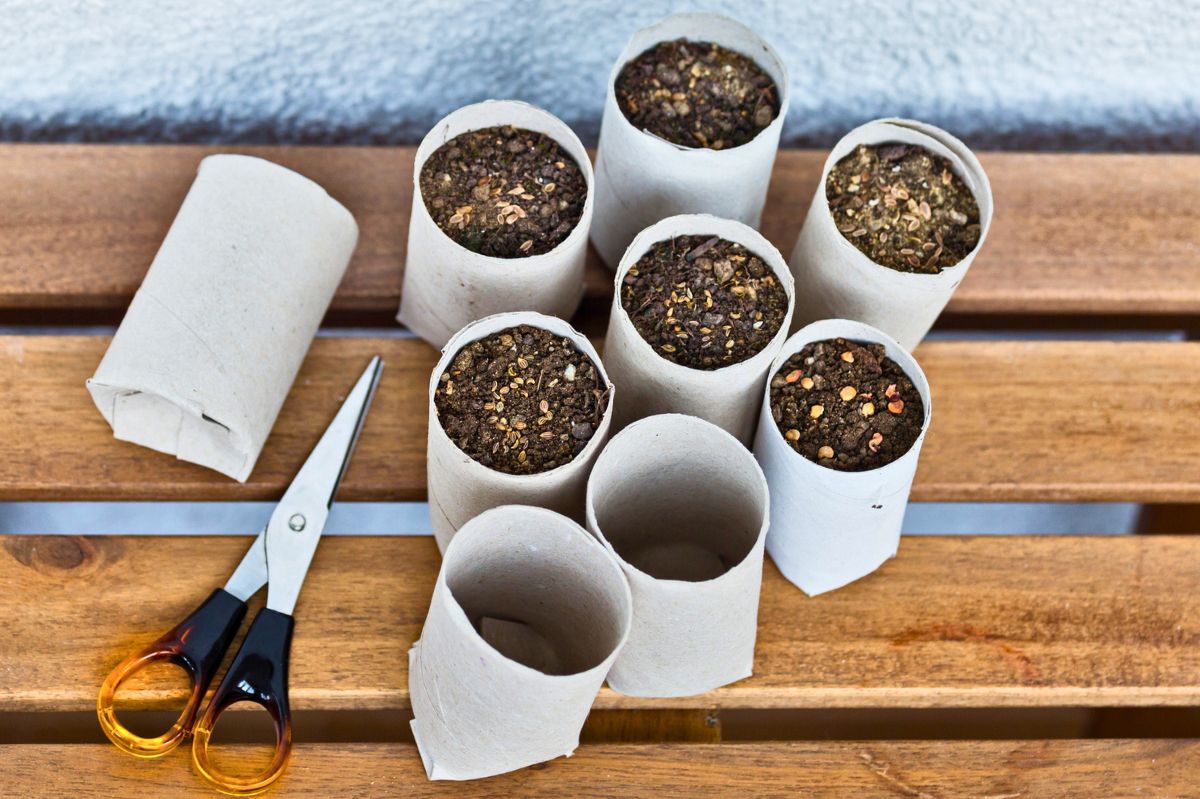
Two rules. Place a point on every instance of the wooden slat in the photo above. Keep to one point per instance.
(1094, 234)
(1013, 421)
(1063, 769)
(952, 622)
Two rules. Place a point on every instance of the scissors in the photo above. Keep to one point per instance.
(279, 558)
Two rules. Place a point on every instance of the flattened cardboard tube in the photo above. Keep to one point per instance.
(650, 384)
(683, 506)
(527, 616)
(214, 336)
(461, 488)
(641, 178)
(829, 528)
(834, 280)
(446, 286)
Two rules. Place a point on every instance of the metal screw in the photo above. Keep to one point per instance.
(297, 522)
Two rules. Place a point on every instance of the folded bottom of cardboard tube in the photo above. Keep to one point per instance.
(172, 427)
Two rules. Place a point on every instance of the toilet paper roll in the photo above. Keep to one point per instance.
(683, 506)
(650, 384)
(641, 178)
(829, 528)
(835, 280)
(446, 285)
(214, 336)
(527, 616)
(461, 488)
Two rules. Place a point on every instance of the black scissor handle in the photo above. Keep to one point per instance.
(258, 674)
(197, 645)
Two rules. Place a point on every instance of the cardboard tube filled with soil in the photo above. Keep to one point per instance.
(693, 139)
(844, 415)
(519, 407)
(704, 348)
(914, 197)
(684, 508)
(502, 204)
(528, 613)
(214, 336)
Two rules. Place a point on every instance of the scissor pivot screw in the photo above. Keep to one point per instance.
(297, 522)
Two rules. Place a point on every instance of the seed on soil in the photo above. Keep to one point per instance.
(491, 178)
(903, 207)
(792, 376)
(704, 302)
(807, 383)
(857, 437)
(697, 94)
(848, 356)
(499, 394)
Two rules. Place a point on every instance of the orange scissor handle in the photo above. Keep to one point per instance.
(197, 645)
(258, 674)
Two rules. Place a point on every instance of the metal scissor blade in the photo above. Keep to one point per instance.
(298, 520)
(251, 573)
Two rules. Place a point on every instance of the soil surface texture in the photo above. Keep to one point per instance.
(704, 302)
(903, 207)
(504, 192)
(697, 94)
(521, 401)
(846, 406)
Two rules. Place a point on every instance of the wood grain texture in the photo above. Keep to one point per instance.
(1012, 421)
(1063, 769)
(952, 622)
(79, 225)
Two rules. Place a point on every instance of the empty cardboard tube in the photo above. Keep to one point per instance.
(830, 528)
(214, 336)
(642, 178)
(683, 506)
(834, 280)
(446, 286)
(528, 613)
(650, 384)
(461, 488)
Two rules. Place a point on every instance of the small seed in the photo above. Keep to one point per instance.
(549, 187)
(527, 245)
(848, 356)
(896, 406)
(807, 383)
(792, 376)
(875, 441)
(543, 406)
(521, 362)
(792, 435)
(890, 391)
(868, 409)
(848, 393)
(816, 411)
(825, 453)
(521, 456)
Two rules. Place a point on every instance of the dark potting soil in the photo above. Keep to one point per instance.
(504, 192)
(521, 401)
(704, 302)
(846, 406)
(903, 207)
(697, 94)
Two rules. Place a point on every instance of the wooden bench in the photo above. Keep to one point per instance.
(960, 639)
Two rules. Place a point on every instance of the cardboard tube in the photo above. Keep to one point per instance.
(461, 488)
(641, 178)
(727, 397)
(835, 280)
(446, 285)
(214, 336)
(527, 616)
(829, 528)
(683, 506)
